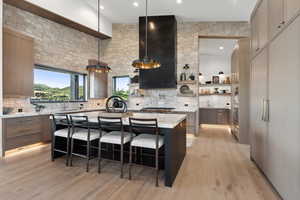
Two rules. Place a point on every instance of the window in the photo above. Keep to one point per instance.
(121, 86)
(55, 85)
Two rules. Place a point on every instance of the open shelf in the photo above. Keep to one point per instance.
(220, 94)
(214, 85)
(189, 82)
(186, 95)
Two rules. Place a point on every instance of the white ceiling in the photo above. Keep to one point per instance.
(123, 11)
(212, 47)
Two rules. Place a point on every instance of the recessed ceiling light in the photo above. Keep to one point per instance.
(221, 48)
(179, 1)
(135, 4)
(101, 7)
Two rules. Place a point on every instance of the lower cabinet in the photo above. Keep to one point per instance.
(213, 116)
(22, 131)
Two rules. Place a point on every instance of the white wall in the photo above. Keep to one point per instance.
(1, 70)
(211, 65)
(78, 11)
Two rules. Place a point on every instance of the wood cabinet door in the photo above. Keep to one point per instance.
(262, 24)
(258, 128)
(283, 152)
(17, 64)
(276, 16)
(254, 35)
(292, 7)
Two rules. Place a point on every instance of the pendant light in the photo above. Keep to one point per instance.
(99, 67)
(146, 62)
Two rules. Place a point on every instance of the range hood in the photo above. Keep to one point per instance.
(162, 46)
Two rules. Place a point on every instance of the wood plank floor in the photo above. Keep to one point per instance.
(216, 167)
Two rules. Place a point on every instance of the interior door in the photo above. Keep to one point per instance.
(283, 160)
(276, 16)
(258, 94)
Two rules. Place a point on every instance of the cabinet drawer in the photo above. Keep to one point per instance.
(23, 126)
(12, 143)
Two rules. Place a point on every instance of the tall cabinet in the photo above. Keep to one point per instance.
(275, 99)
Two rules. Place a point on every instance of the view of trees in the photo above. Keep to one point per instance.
(47, 93)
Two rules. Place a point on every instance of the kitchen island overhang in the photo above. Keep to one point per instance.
(171, 126)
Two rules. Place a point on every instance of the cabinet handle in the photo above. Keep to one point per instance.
(263, 110)
(267, 111)
(279, 26)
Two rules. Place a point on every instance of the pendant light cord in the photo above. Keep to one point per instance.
(99, 31)
(146, 49)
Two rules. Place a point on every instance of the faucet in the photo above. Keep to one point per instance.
(38, 108)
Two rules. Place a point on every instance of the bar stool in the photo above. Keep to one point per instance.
(116, 135)
(61, 120)
(144, 140)
(82, 130)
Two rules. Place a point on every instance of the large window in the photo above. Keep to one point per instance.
(54, 85)
(121, 86)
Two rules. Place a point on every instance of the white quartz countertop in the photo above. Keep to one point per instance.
(32, 114)
(183, 110)
(164, 120)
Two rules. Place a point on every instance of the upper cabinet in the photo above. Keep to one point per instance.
(259, 25)
(276, 17)
(280, 12)
(292, 7)
(17, 64)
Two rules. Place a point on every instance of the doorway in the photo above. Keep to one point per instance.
(224, 74)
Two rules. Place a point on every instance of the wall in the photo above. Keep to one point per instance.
(122, 49)
(54, 45)
(78, 11)
(211, 65)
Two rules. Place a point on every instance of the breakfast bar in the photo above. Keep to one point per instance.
(171, 126)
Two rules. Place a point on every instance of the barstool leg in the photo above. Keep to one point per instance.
(99, 158)
(88, 156)
(156, 166)
(122, 159)
(71, 153)
(113, 152)
(68, 152)
(130, 160)
(52, 148)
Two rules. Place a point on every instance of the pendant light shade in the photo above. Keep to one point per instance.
(146, 62)
(98, 66)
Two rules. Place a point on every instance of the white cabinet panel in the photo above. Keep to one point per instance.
(258, 131)
(283, 160)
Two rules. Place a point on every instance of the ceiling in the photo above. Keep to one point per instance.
(212, 47)
(123, 11)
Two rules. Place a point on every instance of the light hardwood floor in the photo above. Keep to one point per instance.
(216, 167)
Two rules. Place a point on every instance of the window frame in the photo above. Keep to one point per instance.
(74, 89)
(114, 82)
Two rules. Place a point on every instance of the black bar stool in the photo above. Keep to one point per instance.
(61, 120)
(82, 130)
(146, 140)
(116, 135)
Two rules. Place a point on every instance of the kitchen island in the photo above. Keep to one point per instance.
(171, 126)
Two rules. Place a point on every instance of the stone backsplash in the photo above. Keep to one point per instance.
(26, 106)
